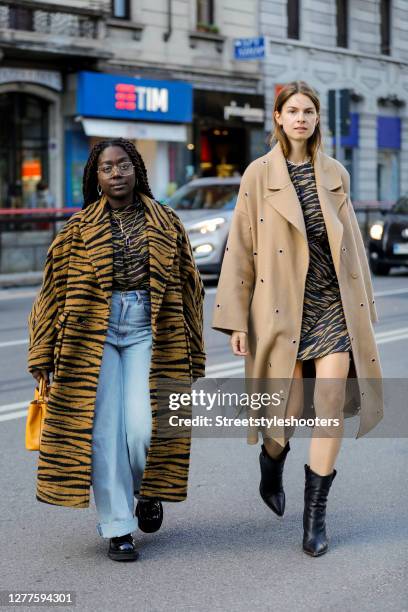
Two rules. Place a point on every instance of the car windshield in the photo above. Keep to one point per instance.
(401, 206)
(204, 197)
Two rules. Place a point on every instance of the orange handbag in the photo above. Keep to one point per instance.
(36, 415)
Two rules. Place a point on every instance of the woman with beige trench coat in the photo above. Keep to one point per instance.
(295, 295)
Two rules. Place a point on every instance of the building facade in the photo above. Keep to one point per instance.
(163, 74)
(359, 45)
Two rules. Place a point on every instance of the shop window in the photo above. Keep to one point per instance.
(21, 18)
(121, 9)
(342, 23)
(23, 150)
(293, 10)
(205, 12)
(385, 27)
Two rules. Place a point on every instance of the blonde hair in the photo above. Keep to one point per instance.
(278, 134)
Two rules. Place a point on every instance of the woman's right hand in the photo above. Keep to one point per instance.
(239, 342)
(38, 374)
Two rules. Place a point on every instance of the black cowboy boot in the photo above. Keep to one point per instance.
(271, 488)
(149, 513)
(314, 515)
(123, 548)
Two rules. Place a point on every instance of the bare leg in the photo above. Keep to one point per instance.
(294, 408)
(329, 403)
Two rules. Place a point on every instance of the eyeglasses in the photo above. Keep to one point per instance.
(124, 169)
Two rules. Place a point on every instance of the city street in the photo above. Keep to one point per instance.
(222, 549)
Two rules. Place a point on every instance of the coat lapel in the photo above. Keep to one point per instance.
(96, 234)
(281, 192)
(332, 197)
(162, 238)
(282, 196)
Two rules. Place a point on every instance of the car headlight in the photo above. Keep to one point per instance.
(376, 230)
(204, 227)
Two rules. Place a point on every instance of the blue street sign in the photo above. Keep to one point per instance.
(249, 48)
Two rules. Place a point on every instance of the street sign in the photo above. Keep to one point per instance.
(249, 48)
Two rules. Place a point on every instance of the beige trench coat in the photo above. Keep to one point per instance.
(262, 281)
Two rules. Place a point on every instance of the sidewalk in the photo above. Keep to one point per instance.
(20, 279)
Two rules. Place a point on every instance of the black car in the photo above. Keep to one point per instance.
(388, 239)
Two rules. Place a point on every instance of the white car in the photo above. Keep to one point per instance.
(205, 207)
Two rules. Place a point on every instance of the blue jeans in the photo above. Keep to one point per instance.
(123, 419)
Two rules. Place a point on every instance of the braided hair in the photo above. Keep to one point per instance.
(90, 180)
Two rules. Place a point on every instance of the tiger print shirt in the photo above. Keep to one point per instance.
(130, 263)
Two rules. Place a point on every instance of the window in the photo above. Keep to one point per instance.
(21, 18)
(205, 12)
(342, 23)
(293, 9)
(121, 9)
(385, 7)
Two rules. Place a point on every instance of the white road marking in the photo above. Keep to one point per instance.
(13, 343)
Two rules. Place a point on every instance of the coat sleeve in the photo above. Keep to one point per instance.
(49, 302)
(193, 298)
(236, 282)
(362, 255)
(42, 320)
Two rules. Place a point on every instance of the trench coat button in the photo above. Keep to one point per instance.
(246, 193)
(276, 310)
(354, 274)
(361, 304)
(293, 341)
(362, 393)
(264, 161)
(373, 301)
(262, 280)
(218, 305)
(242, 282)
(280, 250)
(373, 360)
(261, 220)
(255, 253)
(343, 249)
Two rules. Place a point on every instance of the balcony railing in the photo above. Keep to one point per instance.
(55, 19)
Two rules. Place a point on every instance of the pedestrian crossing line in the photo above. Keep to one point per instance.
(13, 415)
(13, 343)
(9, 407)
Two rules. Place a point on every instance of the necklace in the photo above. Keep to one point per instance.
(300, 163)
(126, 236)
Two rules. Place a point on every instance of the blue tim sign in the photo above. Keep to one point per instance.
(122, 97)
(249, 48)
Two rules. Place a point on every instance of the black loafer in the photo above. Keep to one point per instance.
(149, 513)
(123, 548)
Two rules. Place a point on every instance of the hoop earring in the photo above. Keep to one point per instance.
(99, 190)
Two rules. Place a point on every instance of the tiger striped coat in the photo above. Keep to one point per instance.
(67, 329)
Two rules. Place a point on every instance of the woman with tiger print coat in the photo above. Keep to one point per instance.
(120, 308)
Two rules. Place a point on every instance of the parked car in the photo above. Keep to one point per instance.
(388, 239)
(205, 206)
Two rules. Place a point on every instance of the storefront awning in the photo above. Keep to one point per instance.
(106, 128)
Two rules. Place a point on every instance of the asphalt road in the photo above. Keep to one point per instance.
(222, 549)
